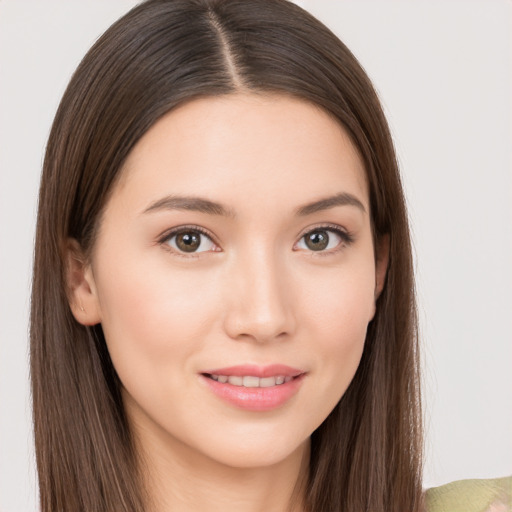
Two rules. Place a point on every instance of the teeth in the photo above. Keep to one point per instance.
(236, 380)
(249, 381)
(267, 382)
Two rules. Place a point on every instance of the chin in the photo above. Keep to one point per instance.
(255, 447)
(254, 455)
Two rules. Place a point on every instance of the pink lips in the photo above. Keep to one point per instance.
(255, 398)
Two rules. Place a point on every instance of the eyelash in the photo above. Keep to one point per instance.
(168, 235)
(346, 238)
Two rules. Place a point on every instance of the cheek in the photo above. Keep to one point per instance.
(342, 304)
(149, 312)
(338, 319)
(341, 337)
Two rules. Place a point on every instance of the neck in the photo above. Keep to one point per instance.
(179, 479)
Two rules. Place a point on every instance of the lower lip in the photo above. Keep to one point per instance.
(255, 399)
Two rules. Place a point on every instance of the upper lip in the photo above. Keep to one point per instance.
(271, 370)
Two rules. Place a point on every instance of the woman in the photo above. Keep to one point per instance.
(222, 236)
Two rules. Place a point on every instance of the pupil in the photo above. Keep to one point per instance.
(188, 242)
(317, 241)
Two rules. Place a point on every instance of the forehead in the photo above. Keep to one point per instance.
(243, 146)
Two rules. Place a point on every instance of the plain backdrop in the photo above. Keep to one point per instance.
(444, 73)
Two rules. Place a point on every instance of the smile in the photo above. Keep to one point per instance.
(250, 381)
(254, 388)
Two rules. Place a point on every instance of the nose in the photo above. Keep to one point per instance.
(260, 306)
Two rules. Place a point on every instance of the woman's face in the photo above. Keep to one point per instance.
(236, 247)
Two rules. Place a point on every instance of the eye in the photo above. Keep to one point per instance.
(323, 239)
(190, 241)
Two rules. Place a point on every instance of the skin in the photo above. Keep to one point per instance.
(255, 293)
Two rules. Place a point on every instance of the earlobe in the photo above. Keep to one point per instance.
(81, 289)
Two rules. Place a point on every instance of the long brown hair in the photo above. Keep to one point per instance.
(366, 456)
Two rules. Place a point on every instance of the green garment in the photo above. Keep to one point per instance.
(471, 496)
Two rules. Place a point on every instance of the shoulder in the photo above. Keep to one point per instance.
(493, 495)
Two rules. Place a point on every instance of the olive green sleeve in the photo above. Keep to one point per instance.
(471, 496)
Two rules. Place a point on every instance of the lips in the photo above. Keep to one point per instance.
(256, 388)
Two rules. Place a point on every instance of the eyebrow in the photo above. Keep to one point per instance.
(189, 203)
(202, 205)
(342, 199)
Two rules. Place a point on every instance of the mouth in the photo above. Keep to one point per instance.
(250, 381)
(254, 388)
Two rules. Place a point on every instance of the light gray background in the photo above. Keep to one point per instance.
(443, 70)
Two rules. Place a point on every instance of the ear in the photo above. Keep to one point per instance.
(81, 289)
(381, 263)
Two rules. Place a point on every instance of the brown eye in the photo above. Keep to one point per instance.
(323, 239)
(317, 240)
(188, 242)
(191, 241)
